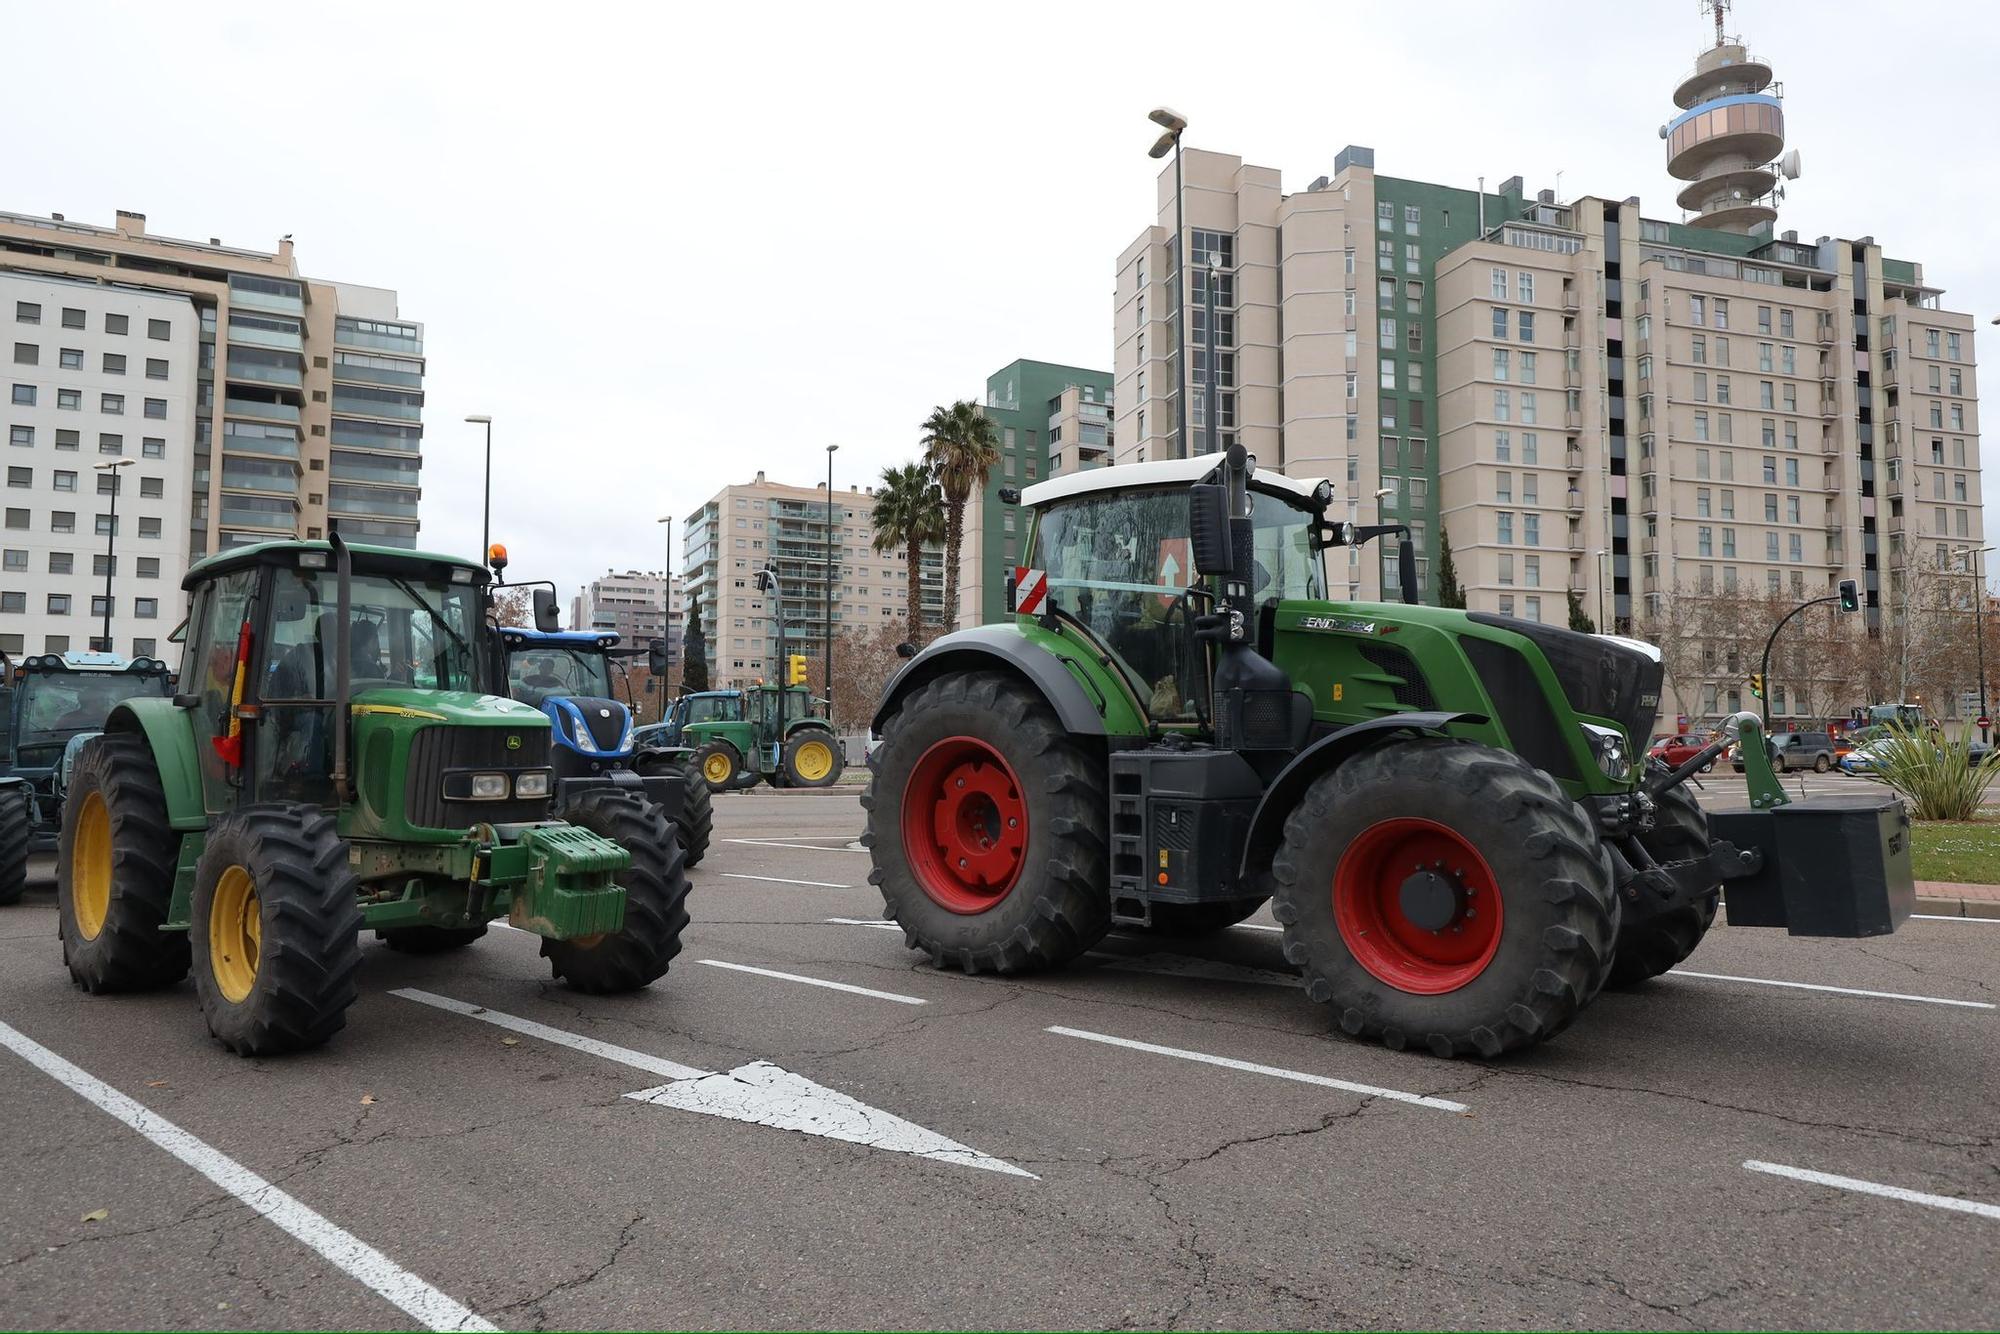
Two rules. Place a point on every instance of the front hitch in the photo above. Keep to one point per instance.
(1765, 792)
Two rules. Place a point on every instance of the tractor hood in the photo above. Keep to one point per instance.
(459, 708)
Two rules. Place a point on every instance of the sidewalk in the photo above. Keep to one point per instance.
(1944, 899)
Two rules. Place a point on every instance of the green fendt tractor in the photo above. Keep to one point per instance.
(1448, 811)
(343, 756)
(775, 734)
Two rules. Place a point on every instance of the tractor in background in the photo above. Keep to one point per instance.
(567, 675)
(1448, 811)
(50, 704)
(343, 757)
(775, 734)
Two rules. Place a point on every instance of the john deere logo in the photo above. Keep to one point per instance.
(513, 743)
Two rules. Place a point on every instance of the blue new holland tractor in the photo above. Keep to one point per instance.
(567, 675)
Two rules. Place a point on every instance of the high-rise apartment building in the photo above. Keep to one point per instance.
(1051, 419)
(747, 527)
(638, 606)
(1589, 401)
(291, 404)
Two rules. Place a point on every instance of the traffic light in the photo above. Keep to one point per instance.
(795, 670)
(1850, 596)
(1757, 684)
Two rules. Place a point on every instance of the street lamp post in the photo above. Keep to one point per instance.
(486, 515)
(111, 541)
(666, 612)
(1174, 123)
(830, 567)
(1979, 629)
(1603, 581)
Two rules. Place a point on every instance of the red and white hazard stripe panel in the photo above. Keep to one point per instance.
(1030, 587)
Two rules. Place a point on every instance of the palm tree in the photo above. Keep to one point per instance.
(960, 448)
(909, 513)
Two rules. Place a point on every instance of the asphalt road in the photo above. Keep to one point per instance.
(487, 1170)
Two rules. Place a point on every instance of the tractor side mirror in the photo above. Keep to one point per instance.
(1209, 537)
(656, 657)
(547, 619)
(906, 650)
(1406, 568)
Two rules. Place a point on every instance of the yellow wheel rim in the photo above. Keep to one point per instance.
(716, 768)
(813, 760)
(235, 934)
(90, 867)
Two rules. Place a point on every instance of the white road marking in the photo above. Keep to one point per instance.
(1873, 1188)
(1297, 1076)
(760, 1093)
(813, 981)
(1840, 991)
(795, 847)
(1942, 917)
(876, 923)
(339, 1247)
(780, 880)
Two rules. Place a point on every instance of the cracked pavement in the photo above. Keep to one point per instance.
(1594, 1182)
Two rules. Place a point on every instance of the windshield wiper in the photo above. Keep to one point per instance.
(436, 616)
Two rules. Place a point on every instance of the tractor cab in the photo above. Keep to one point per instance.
(777, 734)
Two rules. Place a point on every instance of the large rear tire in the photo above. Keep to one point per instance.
(17, 830)
(1652, 945)
(115, 871)
(1445, 895)
(1200, 919)
(276, 929)
(812, 758)
(697, 816)
(656, 890)
(986, 826)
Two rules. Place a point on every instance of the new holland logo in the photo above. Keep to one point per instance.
(513, 743)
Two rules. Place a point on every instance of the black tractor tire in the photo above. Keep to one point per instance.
(117, 779)
(1056, 904)
(1650, 946)
(799, 743)
(275, 926)
(726, 752)
(17, 830)
(1200, 919)
(656, 891)
(697, 816)
(1548, 950)
(429, 939)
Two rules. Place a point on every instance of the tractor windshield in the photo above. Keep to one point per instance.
(55, 706)
(1119, 563)
(715, 709)
(537, 671)
(401, 632)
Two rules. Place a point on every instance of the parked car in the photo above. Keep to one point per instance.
(1674, 751)
(1796, 750)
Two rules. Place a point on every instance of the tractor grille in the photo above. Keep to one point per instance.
(436, 749)
(1411, 690)
(1600, 678)
(1524, 710)
(606, 732)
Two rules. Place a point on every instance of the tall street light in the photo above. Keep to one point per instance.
(666, 611)
(1173, 123)
(1972, 556)
(830, 566)
(486, 515)
(111, 541)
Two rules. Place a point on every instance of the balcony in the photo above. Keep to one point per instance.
(277, 480)
(344, 336)
(376, 403)
(350, 468)
(1572, 419)
(1571, 303)
(1574, 501)
(276, 339)
(265, 442)
(344, 373)
(273, 294)
(1573, 460)
(253, 372)
(355, 501)
(258, 410)
(1829, 408)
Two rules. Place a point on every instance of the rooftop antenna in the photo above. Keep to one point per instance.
(1717, 8)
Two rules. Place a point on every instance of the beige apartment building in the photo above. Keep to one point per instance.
(637, 605)
(747, 527)
(1590, 403)
(305, 396)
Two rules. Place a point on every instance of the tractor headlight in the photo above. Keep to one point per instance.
(532, 785)
(579, 732)
(489, 787)
(1607, 744)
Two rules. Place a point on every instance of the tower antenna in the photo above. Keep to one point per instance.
(1717, 8)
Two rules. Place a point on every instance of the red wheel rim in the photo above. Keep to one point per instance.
(965, 825)
(1417, 906)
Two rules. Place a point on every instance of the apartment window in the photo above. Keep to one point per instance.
(1524, 287)
(22, 478)
(13, 602)
(1958, 416)
(1770, 508)
(21, 435)
(114, 363)
(1385, 216)
(1506, 567)
(24, 395)
(1531, 571)
(1529, 448)
(1415, 373)
(1413, 297)
(155, 447)
(1704, 541)
(1701, 426)
(1503, 405)
(1499, 289)
(1388, 376)
(1795, 547)
(1722, 389)
(1385, 331)
(1413, 218)
(101, 605)
(27, 312)
(1698, 350)
(149, 567)
(1957, 384)
(1503, 487)
(149, 527)
(1349, 259)
(144, 648)
(156, 368)
(1768, 433)
(1503, 446)
(1951, 346)
(1958, 487)
(1766, 394)
(1722, 352)
(1721, 313)
(1503, 527)
(1502, 361)
(1697, 310)
(1764, 352)
(1791, 399)
(1413, 339)
(152, 488)
(1791, 509)
(160, 330)
(1701, 502)
(1527, 407)
(27, 354)
(14, 560)
(1531, 530)
(1763, 319)
(1506, 604)
(65, 480)
(58, 604)
(1701, 463)
(1385, 255)
(112, 405)
(146, 609)
(1791, 472)
(69, 400)
(62, 521)
(1701, 386)
(70, 358)
(1391, 452)
(1770, 546)
(107, 443)
(1412, 261)
(1353, 392)
(117, 324)
(1500, 322)
(1788, 360)
(1527, 326)
(1531, 608)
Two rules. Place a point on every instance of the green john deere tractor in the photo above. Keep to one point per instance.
(343, 757)
(773, 733)
(1448, 811)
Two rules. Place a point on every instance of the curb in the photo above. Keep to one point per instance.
(1984, 909)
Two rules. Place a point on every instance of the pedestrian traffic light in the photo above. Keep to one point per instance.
(1850, 596)
(1757, 684)
(795, 674)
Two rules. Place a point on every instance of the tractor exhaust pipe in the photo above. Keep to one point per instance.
(343, 681)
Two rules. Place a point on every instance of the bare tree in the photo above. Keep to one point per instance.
(1671, 621)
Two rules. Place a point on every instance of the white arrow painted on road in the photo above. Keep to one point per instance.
(759, 1093)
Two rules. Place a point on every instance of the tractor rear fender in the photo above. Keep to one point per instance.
(1005, 648)
(1267, 827)
(169, 732)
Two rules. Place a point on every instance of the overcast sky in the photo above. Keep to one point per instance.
(668, 245)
